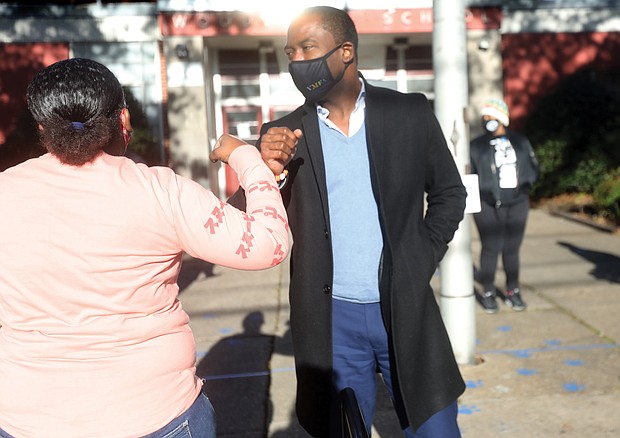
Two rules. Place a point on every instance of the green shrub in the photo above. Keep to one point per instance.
(607, 196)
(575, 132)
(550, 155)
(588, 174)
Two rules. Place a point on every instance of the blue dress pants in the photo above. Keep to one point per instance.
(360, 347)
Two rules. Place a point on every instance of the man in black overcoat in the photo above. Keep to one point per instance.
(329, 191)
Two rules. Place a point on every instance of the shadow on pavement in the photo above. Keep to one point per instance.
(237, 379)
(191, 270)
(606, 266)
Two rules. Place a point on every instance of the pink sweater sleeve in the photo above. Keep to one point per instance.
(215, 231)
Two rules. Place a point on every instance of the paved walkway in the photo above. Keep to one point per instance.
(552, 370)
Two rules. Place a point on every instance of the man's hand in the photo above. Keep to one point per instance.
(278, 147)
(224, 146)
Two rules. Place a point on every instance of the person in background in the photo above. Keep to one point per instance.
(93, 339)
(507, 168)
(356, 161)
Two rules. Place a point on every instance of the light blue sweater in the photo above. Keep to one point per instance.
(354, 219)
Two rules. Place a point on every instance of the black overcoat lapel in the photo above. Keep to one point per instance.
(312, 141)
(374, 133)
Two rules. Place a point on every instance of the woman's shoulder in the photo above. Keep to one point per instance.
(136, 171)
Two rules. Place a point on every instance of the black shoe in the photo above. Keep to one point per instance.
(513, 299)
(488, 303)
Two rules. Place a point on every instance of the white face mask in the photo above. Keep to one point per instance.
(491, 125)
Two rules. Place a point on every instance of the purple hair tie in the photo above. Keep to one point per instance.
(77, 126)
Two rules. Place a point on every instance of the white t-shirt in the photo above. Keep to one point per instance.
(506, 162)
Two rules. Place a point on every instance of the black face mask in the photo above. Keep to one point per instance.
(313, 78)
(490, 125)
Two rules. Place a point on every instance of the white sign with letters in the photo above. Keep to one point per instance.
(472, 204)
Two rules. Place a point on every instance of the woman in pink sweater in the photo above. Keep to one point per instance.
(93, 339)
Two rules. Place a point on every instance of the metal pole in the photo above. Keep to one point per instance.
(451, 98)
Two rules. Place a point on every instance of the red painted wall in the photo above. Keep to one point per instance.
(534, 63)
(18, 65)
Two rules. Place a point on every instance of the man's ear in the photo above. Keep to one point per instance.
(348, 52)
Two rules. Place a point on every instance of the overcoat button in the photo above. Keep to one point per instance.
(327, 289)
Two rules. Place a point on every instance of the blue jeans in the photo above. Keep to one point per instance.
(198, 421)
(360, 346)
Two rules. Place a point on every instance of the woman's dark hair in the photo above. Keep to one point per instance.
(337, 22)
(77, 103)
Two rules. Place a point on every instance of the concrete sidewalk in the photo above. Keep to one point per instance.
(551, 370)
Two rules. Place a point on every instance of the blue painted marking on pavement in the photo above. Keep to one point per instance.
(553, 342)
(474, 384)
(573, 387)
(568, 386)
(523, 354)
(504, 328)
(225, 330)
(527, 371)
(468, 409)
(232, 341)
(237, 375)
(283, 370)
(251, 374)
(520, 353)
(574, 362)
